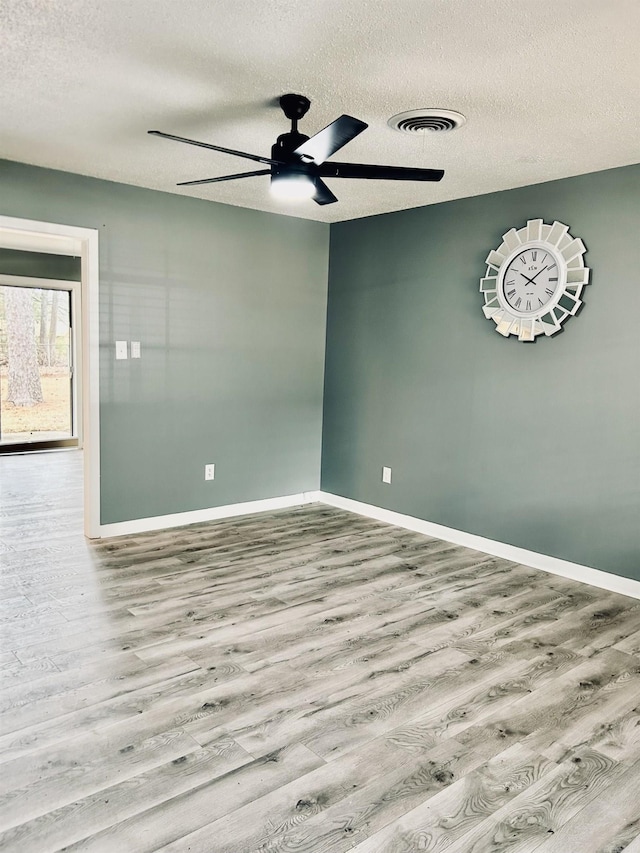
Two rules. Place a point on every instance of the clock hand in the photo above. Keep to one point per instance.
(538, 273)
(532, 280)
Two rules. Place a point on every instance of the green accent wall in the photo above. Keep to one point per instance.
(229, 306)
(39, 265)
(536, 445)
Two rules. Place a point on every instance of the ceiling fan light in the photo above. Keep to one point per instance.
(292, 186)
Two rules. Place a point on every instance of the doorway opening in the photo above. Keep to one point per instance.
(83, 378)
(39, 362)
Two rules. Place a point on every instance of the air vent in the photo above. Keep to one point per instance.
(426, 121)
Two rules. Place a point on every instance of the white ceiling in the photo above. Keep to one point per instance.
(549, 89)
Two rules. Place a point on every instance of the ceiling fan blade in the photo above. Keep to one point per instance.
(326, 142)
(255, 157)
(323, 194)
(224, 178)
(380, 173)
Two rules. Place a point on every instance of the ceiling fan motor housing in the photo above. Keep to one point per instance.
(283, 150)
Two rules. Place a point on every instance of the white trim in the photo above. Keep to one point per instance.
(39, 283)
(67, 239)
(196, 516)
(49, 242)
(553, 565)
(91, 380)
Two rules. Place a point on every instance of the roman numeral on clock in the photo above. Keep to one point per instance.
(534, 256)
(511, 293)
(518, 301)
(528, 305)
(548, 291)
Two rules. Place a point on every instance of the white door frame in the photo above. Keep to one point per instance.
(30, 235)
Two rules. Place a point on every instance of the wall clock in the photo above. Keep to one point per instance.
(534, 280)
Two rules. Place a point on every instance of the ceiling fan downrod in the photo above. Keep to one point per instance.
(294, 107)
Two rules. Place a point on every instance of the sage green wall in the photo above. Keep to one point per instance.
(229, 305)
(536, 445)
(39, 265)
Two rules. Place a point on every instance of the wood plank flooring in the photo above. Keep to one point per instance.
(305, 680)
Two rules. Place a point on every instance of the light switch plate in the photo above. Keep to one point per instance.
(210, 471)
(135, 349)
(386, 475)
(121, 350)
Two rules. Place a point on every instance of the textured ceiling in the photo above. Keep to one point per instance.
(549, 89)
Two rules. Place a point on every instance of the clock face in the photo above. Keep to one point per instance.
(534, 280)
(530, 280)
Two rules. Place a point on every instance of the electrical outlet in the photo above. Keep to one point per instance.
(121, 350)
(210, 471)
(386, 475)
(135, 349)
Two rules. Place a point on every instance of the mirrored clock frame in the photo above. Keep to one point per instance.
(567, 253)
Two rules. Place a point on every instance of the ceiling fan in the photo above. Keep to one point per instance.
(298, 163)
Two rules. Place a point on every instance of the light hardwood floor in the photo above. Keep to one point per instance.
(305, 680)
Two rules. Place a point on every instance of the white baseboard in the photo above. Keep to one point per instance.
(553, 565)
(178, 519)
